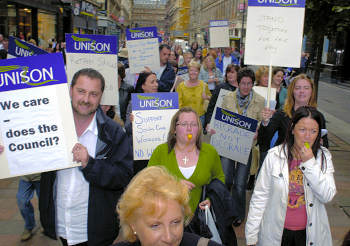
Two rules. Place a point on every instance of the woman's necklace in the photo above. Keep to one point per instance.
(183, 150)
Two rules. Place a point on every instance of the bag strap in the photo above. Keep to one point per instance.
(204, 192)
(203, 241)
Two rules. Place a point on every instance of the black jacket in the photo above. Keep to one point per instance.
(125, 91)
(225, 210)
(167, 79)
(108, 174)
(188, 239)
(279, 122)
(214, 98)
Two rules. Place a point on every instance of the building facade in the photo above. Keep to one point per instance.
(202, 11)
(150, 13)
(41, 20)
(178, 15)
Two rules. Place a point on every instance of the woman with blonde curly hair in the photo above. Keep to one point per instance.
(154, 209)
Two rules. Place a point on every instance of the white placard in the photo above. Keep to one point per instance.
(36, 120)
(218, 103)
(152, 116)
(28, 129)
(219, 37)
(274, 36)
(143, 53)
(262, 91)
(234, 135)
(106, 64)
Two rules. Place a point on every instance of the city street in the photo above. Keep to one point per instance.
(332, 100)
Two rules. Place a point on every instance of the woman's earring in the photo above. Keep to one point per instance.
(134, 232)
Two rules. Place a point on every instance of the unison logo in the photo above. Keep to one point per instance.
(141, 34)
(88, 44)
(154, 102)
(227, 117)
(16, 74)
(280, 2)
(22, 49)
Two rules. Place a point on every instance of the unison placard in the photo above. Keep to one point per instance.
(152, 116)
(36, 119)
(234, 135)
(219, 36)
(143, 49)
(274, 32)
(98, 52)
(20, 48)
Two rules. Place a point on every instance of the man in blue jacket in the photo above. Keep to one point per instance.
(166, 74)
(227, 58)
(78, 204)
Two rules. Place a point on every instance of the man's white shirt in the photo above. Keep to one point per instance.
(73, 194)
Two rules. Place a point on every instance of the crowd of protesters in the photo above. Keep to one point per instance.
(289, 154)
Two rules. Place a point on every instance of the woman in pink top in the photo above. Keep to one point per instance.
(296, 180)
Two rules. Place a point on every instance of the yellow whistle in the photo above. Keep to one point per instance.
(189, 136)
(307, 145)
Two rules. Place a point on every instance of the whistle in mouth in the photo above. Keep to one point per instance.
(189, 136)
(307, 145)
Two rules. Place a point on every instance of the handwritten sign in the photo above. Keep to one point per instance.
(36, 119)
(219, 36)
(143, 49)
(98, 52)
(152, 116)
(234, 135)
(20, 48)
(274, 32)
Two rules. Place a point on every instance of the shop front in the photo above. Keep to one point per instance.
(84, 17)
(35, 19)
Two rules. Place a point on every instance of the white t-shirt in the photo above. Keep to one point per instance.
(226, 61)
(187, 171)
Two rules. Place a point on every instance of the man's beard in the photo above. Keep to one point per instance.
(92, 111)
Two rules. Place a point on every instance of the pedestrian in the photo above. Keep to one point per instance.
(155, 197)
(287, 207)
(194, 92)
(301, 92)
(194, 162)
(246, 102)
(230, 84)
(78, 204)
(146, 83)
(227, 58)
(166, 74)
(28, 184)
(210, 74)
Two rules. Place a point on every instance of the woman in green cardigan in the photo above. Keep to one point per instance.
(186, 157)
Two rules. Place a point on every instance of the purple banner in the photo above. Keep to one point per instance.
(19, 48)
(94, 44)
(277, 3)
(141, 33)
(236, 120)
(33, 71)
(155, 101)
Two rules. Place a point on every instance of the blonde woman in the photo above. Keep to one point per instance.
(193, 92)
(210, 74)
(154, 210)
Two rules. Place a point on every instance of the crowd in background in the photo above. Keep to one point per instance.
(198, 74)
